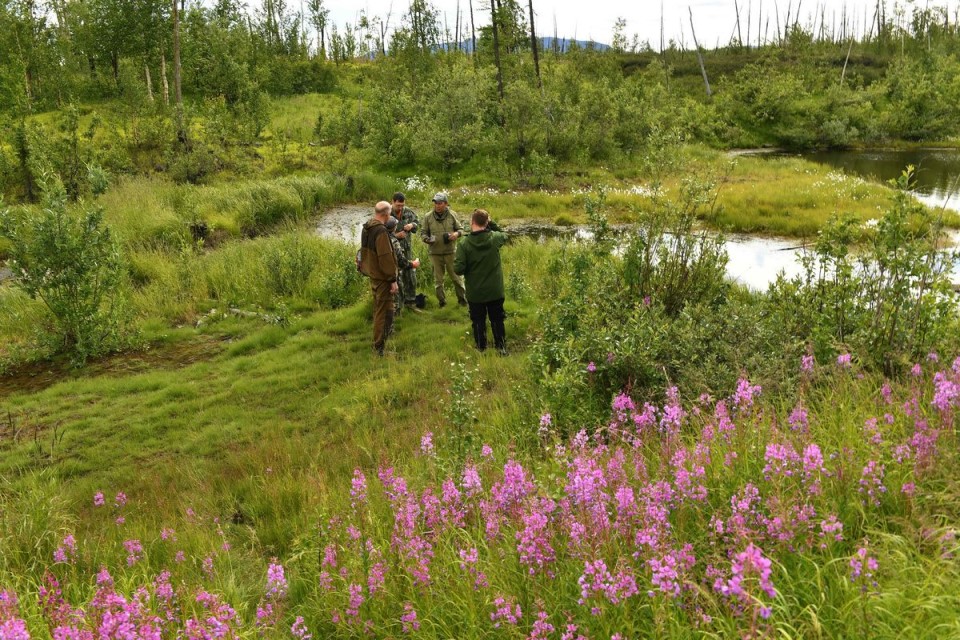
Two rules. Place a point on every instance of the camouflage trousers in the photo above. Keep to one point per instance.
(408, 288)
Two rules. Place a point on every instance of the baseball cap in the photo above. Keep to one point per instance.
(440, 197)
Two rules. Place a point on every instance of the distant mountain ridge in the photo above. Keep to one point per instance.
(546, 44)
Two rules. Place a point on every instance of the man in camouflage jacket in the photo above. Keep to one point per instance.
(407, 225)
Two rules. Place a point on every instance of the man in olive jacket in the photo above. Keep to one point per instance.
(478, 260)
(441, 230)
(378, 261)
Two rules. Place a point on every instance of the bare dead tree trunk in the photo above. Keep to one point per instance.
(473, 32)
(777, 11)
(146, 71)
(177, 84)
(494, 13)
(536, 54)
(844, 72)
(736, 8)
(661, 29)
(696, 45)
(163, 77)
(759, 24)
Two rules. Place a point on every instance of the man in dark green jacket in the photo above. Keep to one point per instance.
(478, 261)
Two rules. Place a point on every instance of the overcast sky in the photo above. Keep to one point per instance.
(714, 20)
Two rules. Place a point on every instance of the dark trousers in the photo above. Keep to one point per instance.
(408, 285)
(382, 313)
(478, 316)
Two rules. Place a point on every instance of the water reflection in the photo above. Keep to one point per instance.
(936, 170)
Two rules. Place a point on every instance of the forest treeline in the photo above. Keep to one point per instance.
(185, 88)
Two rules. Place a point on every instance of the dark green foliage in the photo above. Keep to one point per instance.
(882, 292)
(73, 265)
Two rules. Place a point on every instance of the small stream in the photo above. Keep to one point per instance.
(754, 261)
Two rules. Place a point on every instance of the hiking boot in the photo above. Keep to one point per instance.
(443, 303)
(502, 351)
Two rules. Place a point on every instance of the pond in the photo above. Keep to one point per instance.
(936, 170)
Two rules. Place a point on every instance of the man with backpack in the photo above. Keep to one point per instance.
(379, 262)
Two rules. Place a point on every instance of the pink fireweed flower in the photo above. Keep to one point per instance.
(120, 520)
(168, 534)
(134, 551)
(843, 360)
(356, 600)
(207, 566)
(946, 392)
(591, 367)
(409, 618)
(668, 570)
(507, 610)
(472, 485)
(908, 489)
(597, 580)
(276, 581)
(121, 499)
(748, 563)
(806, 363)
(871, 483)
(104, 579)
(871, 429)
(887, 392)
(486, 451)
(541, 627)
(546, 421)
(813, 467)
(673, 413)
(916, 371)
(98, 499)
(830, 529)
(863, 567)
(610, 357)
(426, 444)
(745, 393)
(799, 420)
(14, 629)
(781, 459)
(376, 578)
(299, 630)
(570, 632)
(179, 557)
(358, 489)
(533, 541)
